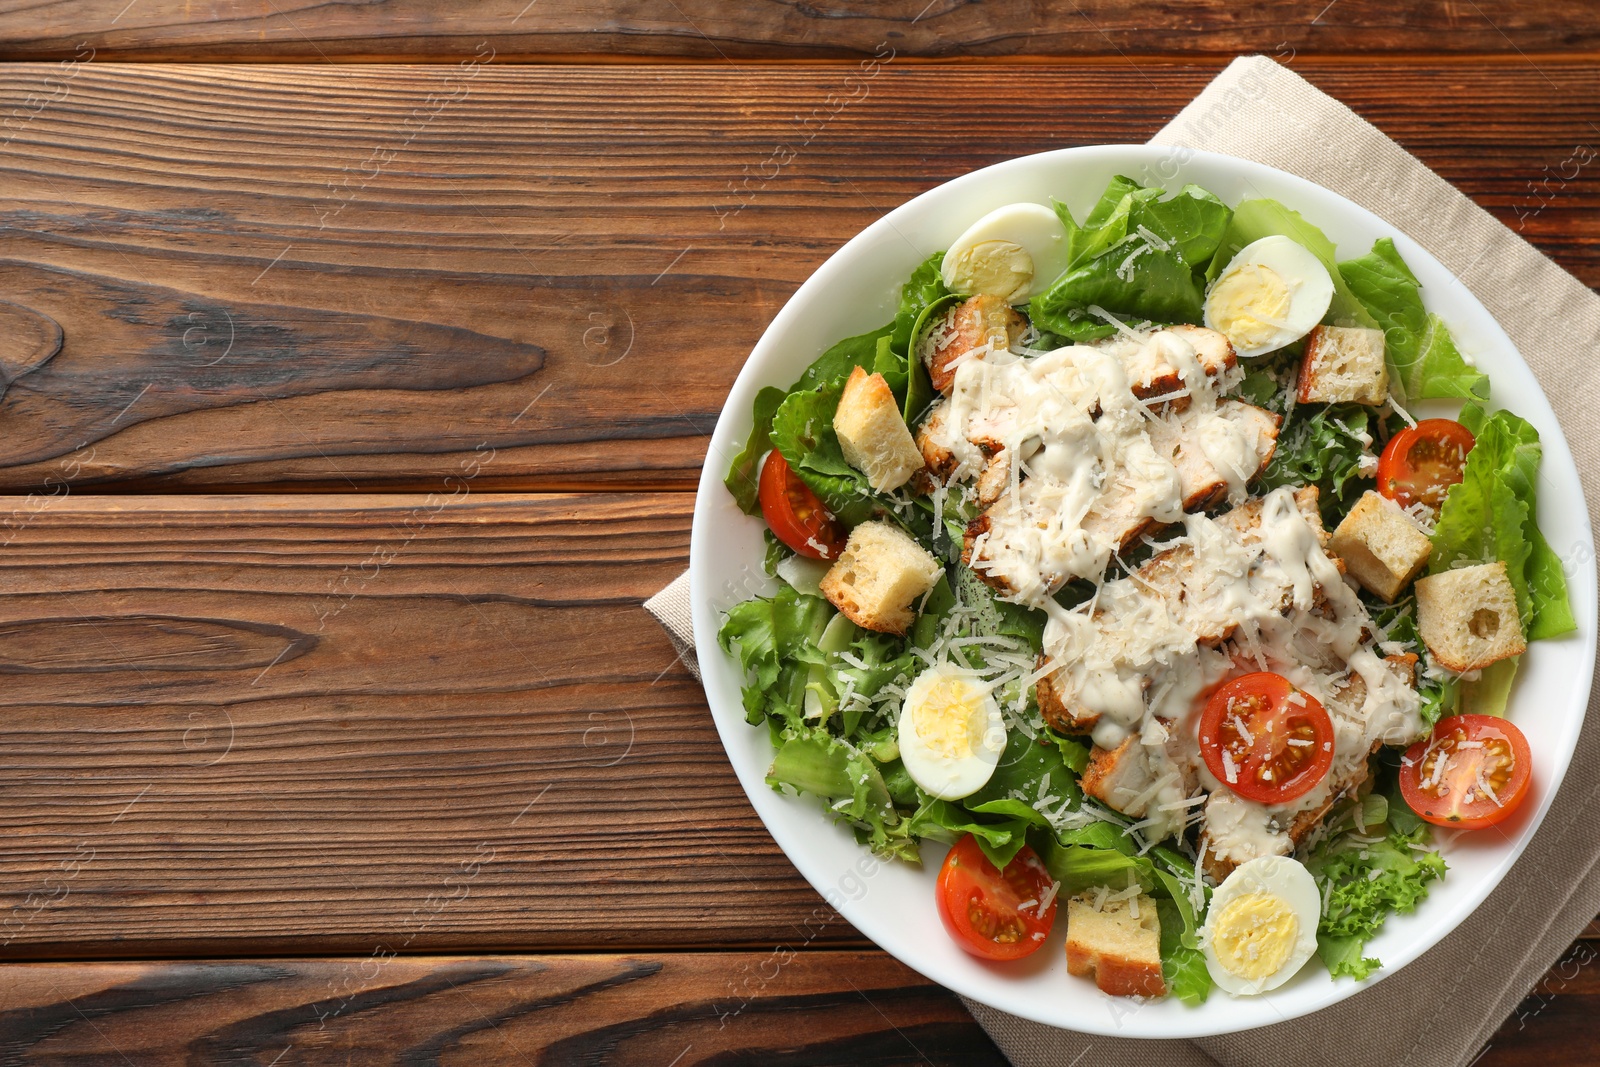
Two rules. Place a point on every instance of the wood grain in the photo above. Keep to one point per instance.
(776, 1008)
(369, 277)
(290, 724)
(704, 29)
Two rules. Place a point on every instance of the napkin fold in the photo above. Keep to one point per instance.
(1449, 1002)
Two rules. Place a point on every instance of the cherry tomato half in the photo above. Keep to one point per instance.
(1471, 772)
(1264, 739)
(1422, 462)
(795, 514)
(995, 914)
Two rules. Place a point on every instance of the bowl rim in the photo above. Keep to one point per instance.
(1207, 1020)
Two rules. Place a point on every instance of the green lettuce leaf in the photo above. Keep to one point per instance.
(1492, 515)
(833, 366)
(1255, 219)
(1547, 588)
(775, 640)
(1074, 753)
(802, 429)
(891, 364)
(1107, 222)
(943, 821)
(1183, 966)
(748, 632)
(1084, 866)
(1036, 771)
(999, 839)
(1490, 692)
(1424, 362)
(1191, 223)
(1137, 256)
(919, 387)
(925, 287)
(996, 616)
(837, 771)
(1321, 446)
(1151, 288)
(744, 473)
(1363, 883)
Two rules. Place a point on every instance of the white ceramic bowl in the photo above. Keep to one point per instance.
(893, 904)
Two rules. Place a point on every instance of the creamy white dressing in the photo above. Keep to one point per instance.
(1239, 830)
(1269, 598)
(1232, 449)
(1078, 461)
(1099, 461)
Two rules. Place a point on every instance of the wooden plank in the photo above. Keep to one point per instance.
(254, 725)
(368, 277)
(778, 1008)
(168, 29)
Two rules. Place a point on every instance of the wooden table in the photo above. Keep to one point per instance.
(333, 726)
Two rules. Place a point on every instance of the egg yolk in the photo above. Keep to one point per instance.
(1248, 304)
(1254, 934)
(947, 721)
(998, 268)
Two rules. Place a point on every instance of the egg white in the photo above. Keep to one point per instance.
(1014, 252)
(951, 733)
(1284, 879)
(1238, 301)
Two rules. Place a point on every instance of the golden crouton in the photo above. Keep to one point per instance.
(1119, 942)
(1382, 546)
(1344, 365)
(879, 575)
(873, 435)
(1468, 616)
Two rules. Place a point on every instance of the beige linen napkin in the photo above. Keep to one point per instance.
(1454, 998)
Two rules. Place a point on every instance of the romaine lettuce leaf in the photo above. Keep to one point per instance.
(744, 473)
(1183, 966)
(802, 429)
(1074, 753)
(1107, 222)
(919, 387)
(1153, 287)
(1191, 223)
(1079, 867)
(889, 363)
(1136, 256)
(925, 286)
(833, 769)
(998, 616)
(1492, 515)
(1424, 362)
(944, 821)
(1255, 219)
(1034, 770)
(1490, 692)
(834, 365)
